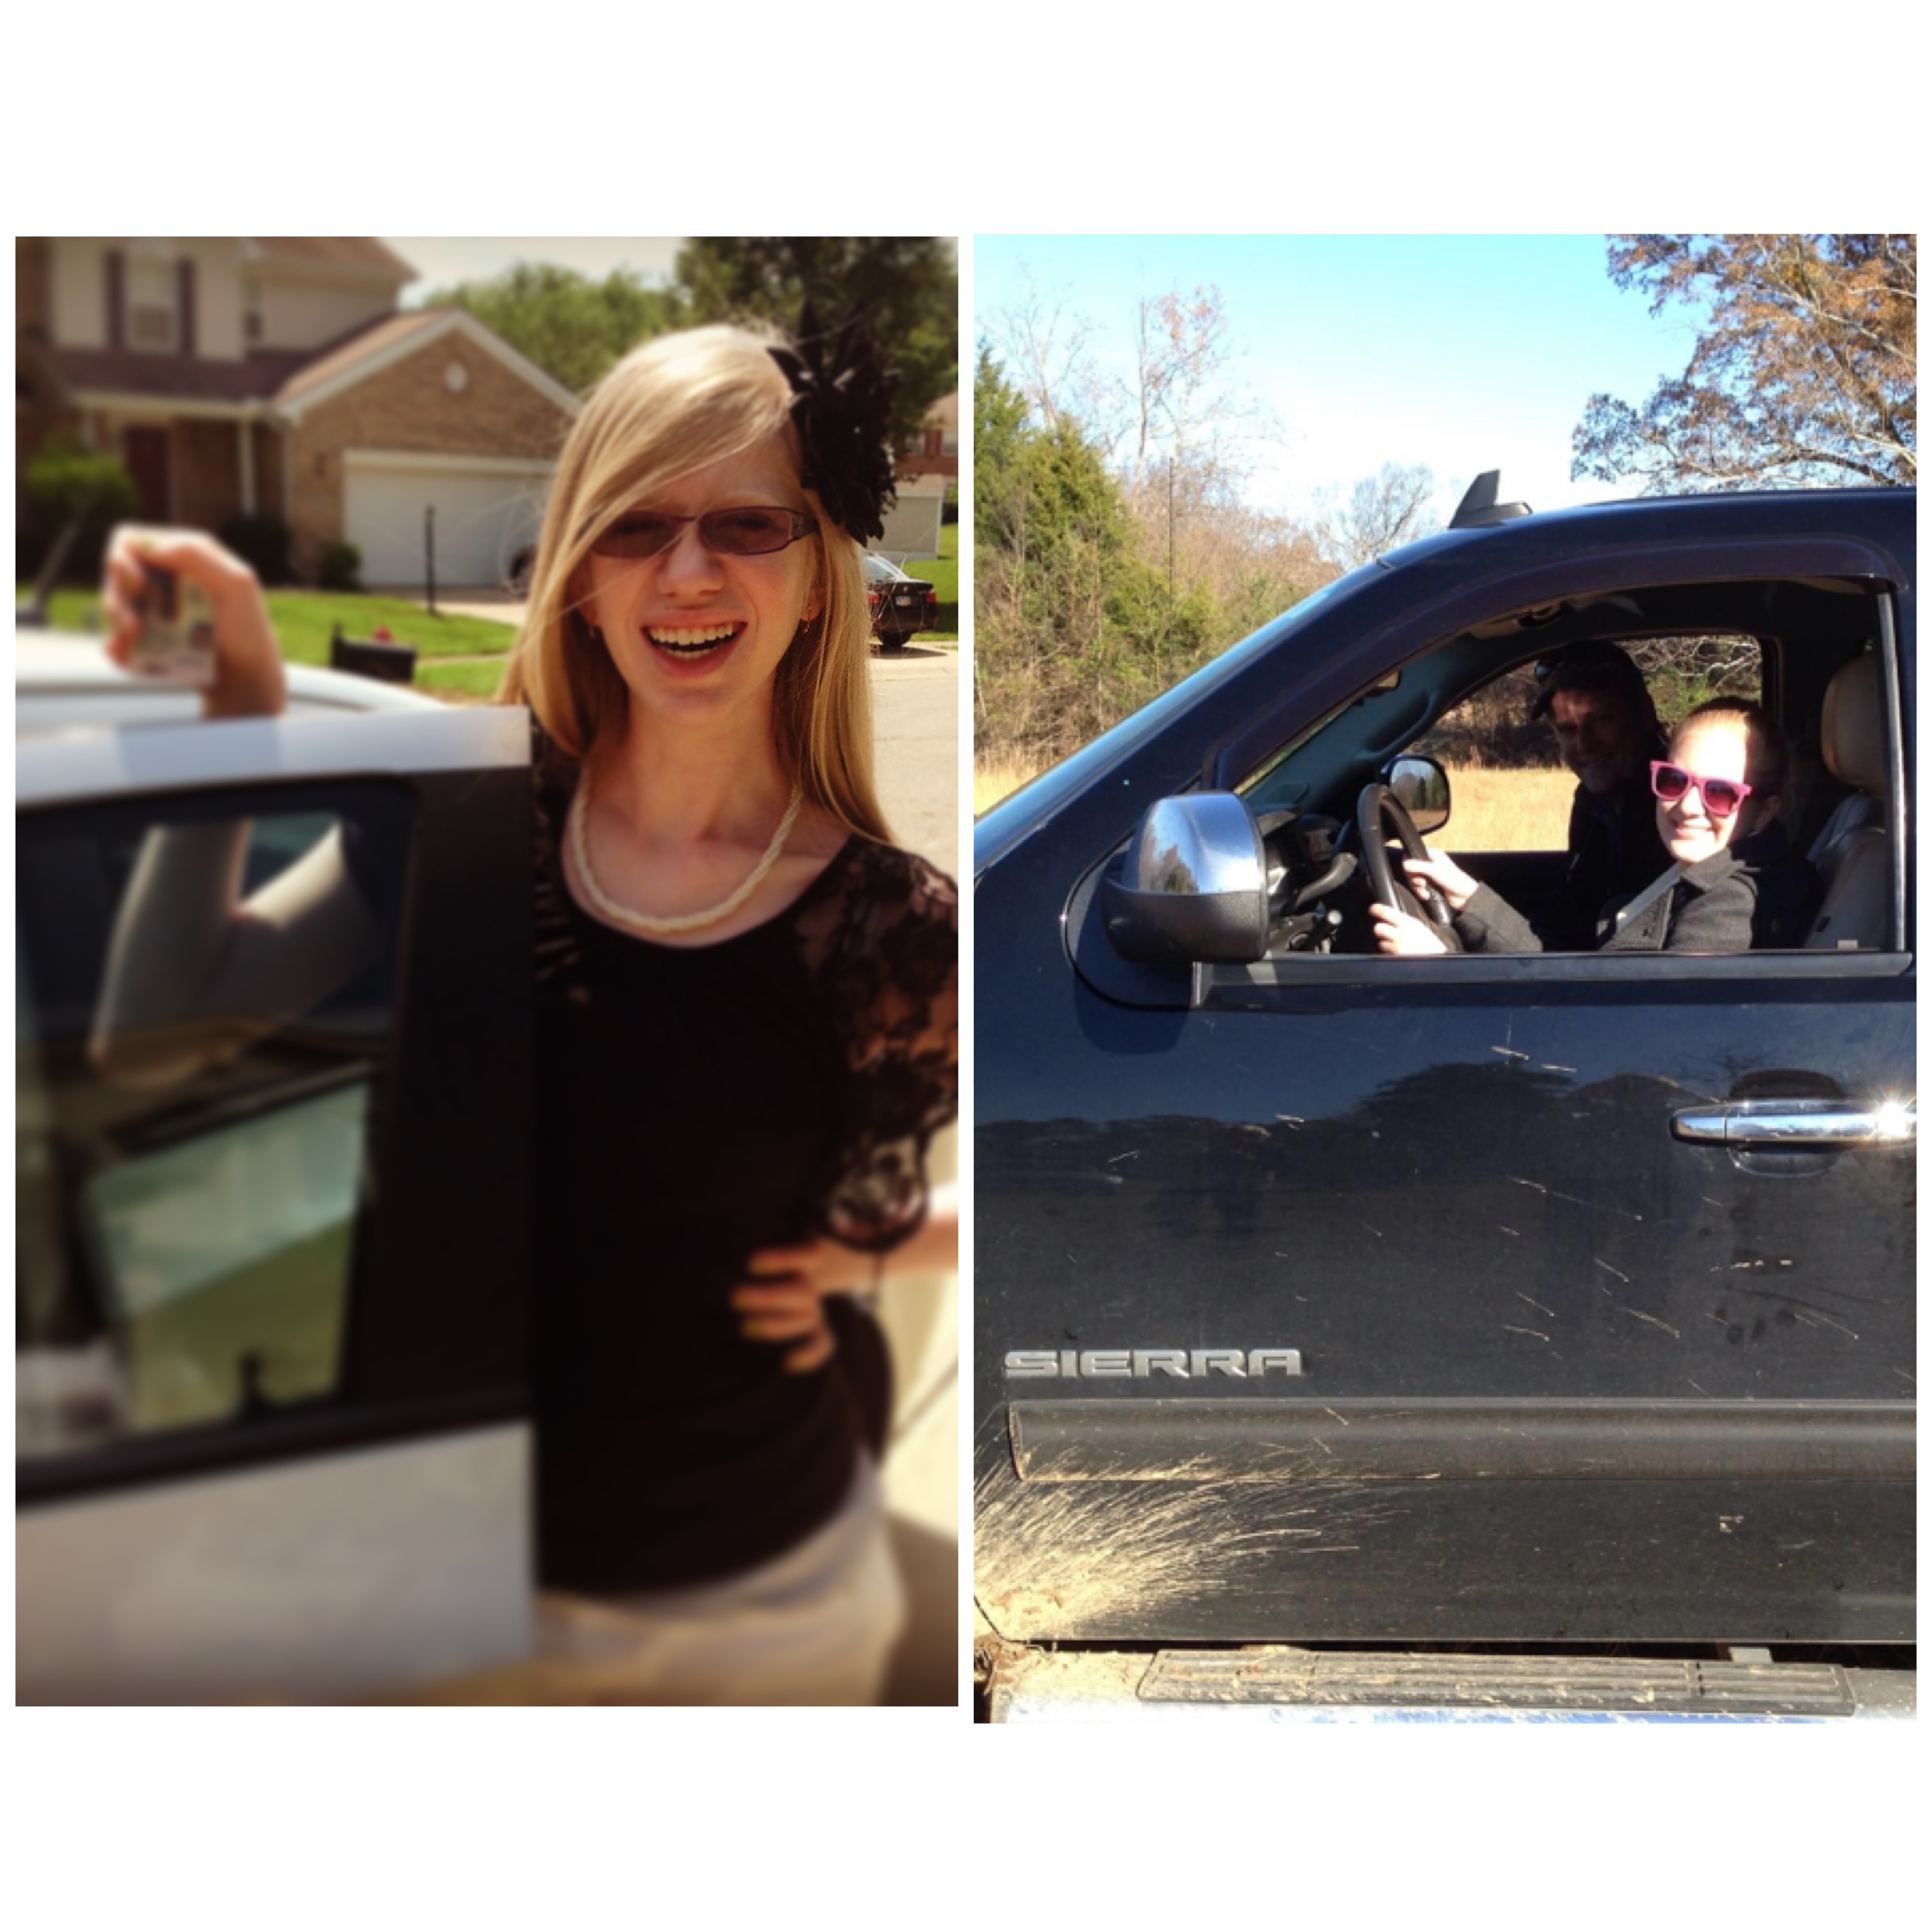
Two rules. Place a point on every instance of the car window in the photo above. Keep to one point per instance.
(1467, 701)
(191, 1202)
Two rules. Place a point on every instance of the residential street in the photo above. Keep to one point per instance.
(916, 725)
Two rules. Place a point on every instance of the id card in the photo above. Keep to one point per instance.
(177, 636)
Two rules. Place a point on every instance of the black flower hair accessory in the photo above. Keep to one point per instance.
(842, 403)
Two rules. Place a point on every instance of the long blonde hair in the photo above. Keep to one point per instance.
(677, 404)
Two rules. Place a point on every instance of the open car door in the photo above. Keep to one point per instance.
(272, 1429)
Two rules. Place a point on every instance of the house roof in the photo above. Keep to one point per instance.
(944, 414)
(391, 333)
(337, 251)
(128, 372)
(292, 379)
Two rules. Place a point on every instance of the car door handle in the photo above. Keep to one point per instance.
(1800, 1124)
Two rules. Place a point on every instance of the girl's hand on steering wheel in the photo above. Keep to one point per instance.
(249, 681)
(1448, 877)
(785, 1300)
(1401, 932)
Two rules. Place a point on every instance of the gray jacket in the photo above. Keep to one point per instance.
(1757, 892)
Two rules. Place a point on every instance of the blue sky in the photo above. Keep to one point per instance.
(1465, 353)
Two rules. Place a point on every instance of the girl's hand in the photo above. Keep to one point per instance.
(1445, 875)
(1399, 932)
(784, 1299)
(249, 681)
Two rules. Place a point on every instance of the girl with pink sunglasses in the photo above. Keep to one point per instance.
(1734, 883)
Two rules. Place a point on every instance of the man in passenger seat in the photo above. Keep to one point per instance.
(1607, 734)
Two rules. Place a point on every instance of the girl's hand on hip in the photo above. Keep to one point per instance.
(784, 1299)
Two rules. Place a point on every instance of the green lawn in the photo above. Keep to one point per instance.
(303, 620)
(469, 680)
(942, 572)
(67, 610)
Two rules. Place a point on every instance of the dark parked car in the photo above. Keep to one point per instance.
(1336, 1312)
(901, 605)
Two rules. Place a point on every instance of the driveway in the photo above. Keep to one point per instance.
(916, 734)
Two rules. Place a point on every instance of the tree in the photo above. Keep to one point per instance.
(1806, 370)
(573, 328)
(1046, 348)
(1070, 618)
(907, 287)
(65, 484)
(1390, 508)
(1180, 351)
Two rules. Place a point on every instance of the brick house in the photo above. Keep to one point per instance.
(279, 375)
(936, 452)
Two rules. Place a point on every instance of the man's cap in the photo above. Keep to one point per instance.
(1587, 667)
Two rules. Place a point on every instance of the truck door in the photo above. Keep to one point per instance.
(1466, 1299)
(272, 1431)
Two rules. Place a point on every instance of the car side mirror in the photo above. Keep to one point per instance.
(1193, 886)
(1421, 788)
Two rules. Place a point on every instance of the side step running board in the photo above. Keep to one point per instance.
(1282, 1684)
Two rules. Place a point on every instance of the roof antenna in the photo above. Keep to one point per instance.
(1479, 507)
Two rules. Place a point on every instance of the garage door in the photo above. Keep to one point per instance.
(483, 517)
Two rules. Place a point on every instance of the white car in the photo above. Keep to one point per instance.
(272, 1428)
(62, 681)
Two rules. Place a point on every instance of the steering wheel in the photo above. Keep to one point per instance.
(1379, 816)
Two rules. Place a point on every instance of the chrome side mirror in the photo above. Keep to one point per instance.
(1193, 884)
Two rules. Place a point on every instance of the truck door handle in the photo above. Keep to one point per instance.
(1825, 1125)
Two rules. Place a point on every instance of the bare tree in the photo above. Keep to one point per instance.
(1805, 370)
(1182, 401)
(1390, 508)
(1044, 346)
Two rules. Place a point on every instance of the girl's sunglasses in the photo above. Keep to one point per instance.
(1721, 796)
(749, 530)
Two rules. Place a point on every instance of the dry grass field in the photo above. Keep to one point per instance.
(1506, 811)
(992, 783)
(1490, 811)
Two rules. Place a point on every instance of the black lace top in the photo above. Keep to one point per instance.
(695, 1103)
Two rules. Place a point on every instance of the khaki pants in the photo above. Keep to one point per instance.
(814, 1626)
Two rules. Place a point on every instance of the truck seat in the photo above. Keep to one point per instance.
(1853, 854)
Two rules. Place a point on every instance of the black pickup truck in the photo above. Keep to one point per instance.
(1517, 1335)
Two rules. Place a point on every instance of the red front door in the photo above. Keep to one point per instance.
(147, 454)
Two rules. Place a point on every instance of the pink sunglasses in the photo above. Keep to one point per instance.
(1721, 796)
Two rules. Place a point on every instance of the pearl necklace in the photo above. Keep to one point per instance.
(689, 922)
